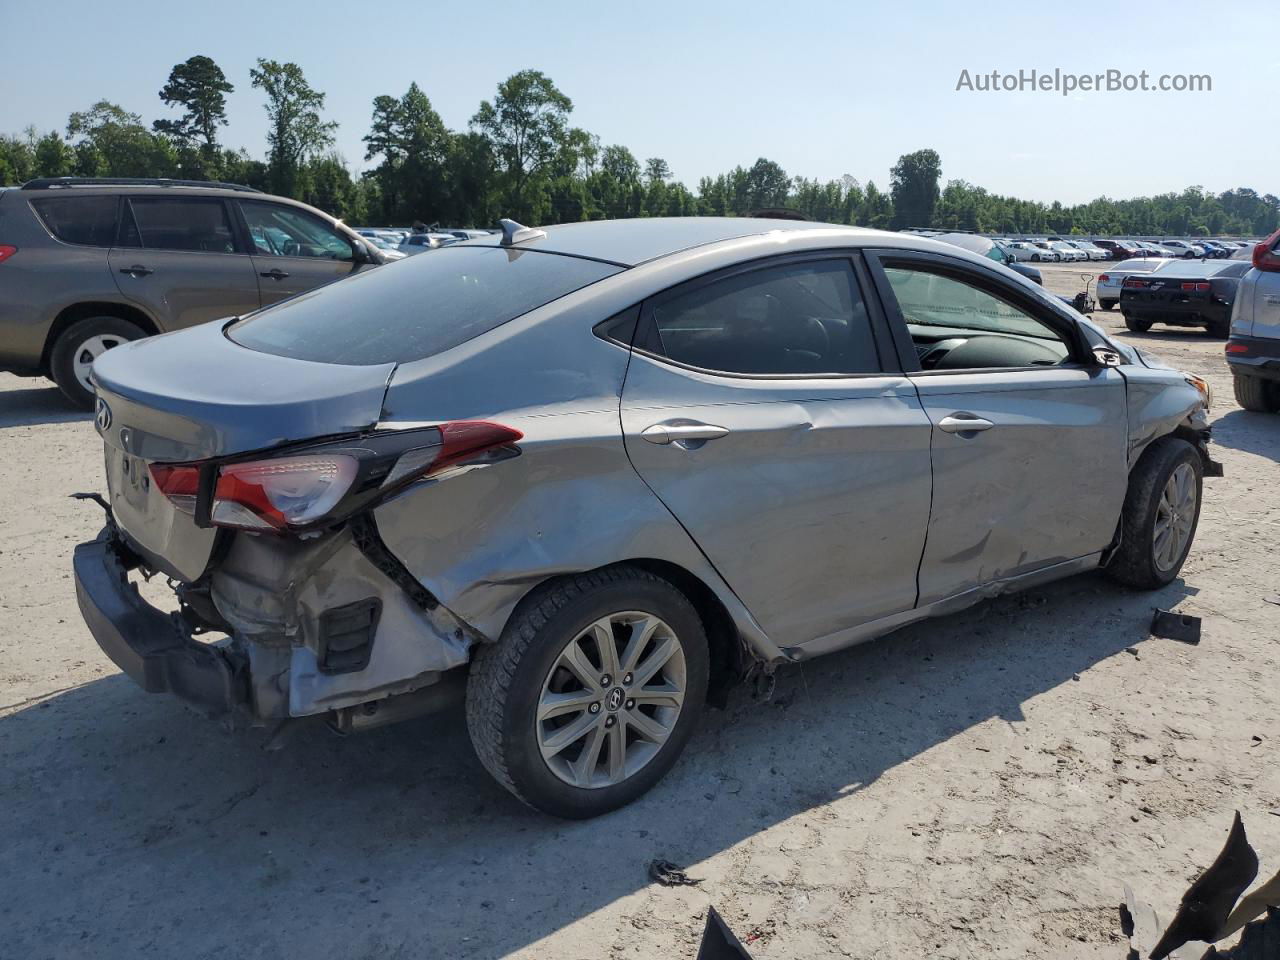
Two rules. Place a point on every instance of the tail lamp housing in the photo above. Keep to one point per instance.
(308, 487)
(1266, 257)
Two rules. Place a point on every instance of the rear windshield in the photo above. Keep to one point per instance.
(417, 307)
(85, 220)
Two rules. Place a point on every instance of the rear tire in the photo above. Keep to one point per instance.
(1161, 505)
(1136, 324)
(1219, 329)
(1107, 304)
(515, 681)
(1256, 394)
(74, 351)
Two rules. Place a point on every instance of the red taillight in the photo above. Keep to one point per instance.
(1233, 347)
(307, 489)
(1200, 287)
(7, 251)
(1136, 282)
(180, 483)
(1265, 257)
(1104, 278)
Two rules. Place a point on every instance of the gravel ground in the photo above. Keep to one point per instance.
(978, 786)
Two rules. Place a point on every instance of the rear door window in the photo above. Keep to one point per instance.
(793, 319)
(198, 224)
(90, 221)
(418, 307)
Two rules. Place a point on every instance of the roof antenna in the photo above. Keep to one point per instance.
(513, 232)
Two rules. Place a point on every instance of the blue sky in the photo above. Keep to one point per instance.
(824, 88)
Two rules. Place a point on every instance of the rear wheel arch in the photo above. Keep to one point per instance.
(728, 654)
(70, 316)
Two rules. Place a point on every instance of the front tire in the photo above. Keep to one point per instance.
(591, 693)
(83, 342)
(1136, 324)
(1256, 394)
(1160, 515)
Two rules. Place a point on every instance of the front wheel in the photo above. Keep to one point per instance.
(1136, 324)
(71, 359)
(1160, 515)
(591, 693)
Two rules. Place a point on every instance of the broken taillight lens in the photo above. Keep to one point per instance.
(311, 487)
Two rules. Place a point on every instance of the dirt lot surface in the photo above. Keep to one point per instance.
(978, 786)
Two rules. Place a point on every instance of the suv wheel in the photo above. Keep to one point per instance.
(1161, 511)
(83, 342)
(1256, 394)
(1136, 324)
(592, 692)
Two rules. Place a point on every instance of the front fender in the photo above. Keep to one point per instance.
(1162, 402)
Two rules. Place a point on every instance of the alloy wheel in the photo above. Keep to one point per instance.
(1175, 515)
(611, 700)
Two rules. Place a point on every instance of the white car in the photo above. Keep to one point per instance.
(1183, 249)
(1026, 250)
(1068, 252)
(1090, 251)
(1109, 283)
(422, 242)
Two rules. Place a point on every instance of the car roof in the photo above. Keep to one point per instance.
(635, 241)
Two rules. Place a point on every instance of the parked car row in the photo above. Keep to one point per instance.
(1074, 249)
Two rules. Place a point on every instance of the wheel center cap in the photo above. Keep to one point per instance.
(615, 698)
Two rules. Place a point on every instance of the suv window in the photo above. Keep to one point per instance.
(197, 224)
(797, 319)
(417, 308)
(957, 325)
(280, 231)
(84, 220)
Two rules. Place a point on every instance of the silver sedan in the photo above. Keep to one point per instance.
(588, 479)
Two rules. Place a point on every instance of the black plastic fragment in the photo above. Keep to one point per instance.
(1208, 902)
(1260, 941)
(718, 941)
(669, 875)
(1176, 626)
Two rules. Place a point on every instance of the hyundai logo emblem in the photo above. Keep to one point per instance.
(103, 415)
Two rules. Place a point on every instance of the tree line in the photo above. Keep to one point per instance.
(522, 157)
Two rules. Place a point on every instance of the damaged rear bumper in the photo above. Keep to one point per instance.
(155, 649)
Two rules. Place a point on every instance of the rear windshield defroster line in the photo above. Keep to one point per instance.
(416, 308)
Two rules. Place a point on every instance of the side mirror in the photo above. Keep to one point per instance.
(1106, 357)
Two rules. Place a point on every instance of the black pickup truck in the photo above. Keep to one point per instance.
(1188, 293)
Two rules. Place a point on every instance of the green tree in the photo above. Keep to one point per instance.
(412, 144)
(114, 143)
(53, 157)
(526, 123)
(913, 184)
(200, 87)
(296, 132)
(656, 169)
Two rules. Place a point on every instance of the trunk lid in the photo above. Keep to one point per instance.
(195, 395)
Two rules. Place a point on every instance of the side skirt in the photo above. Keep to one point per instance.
(953, 604)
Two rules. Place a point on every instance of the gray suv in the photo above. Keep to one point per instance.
(89, 264)
(1253, 350)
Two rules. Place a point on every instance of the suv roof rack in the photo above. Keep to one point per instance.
(49, 183)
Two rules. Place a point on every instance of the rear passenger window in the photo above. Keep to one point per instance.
(196, 223)
(85, 220)
(795, 319)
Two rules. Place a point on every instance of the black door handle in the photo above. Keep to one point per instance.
(137, 270)
(275, 273)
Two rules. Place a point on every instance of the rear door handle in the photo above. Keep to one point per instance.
(275, 273)
(676, 432)
(964, 423)
(137, 270)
